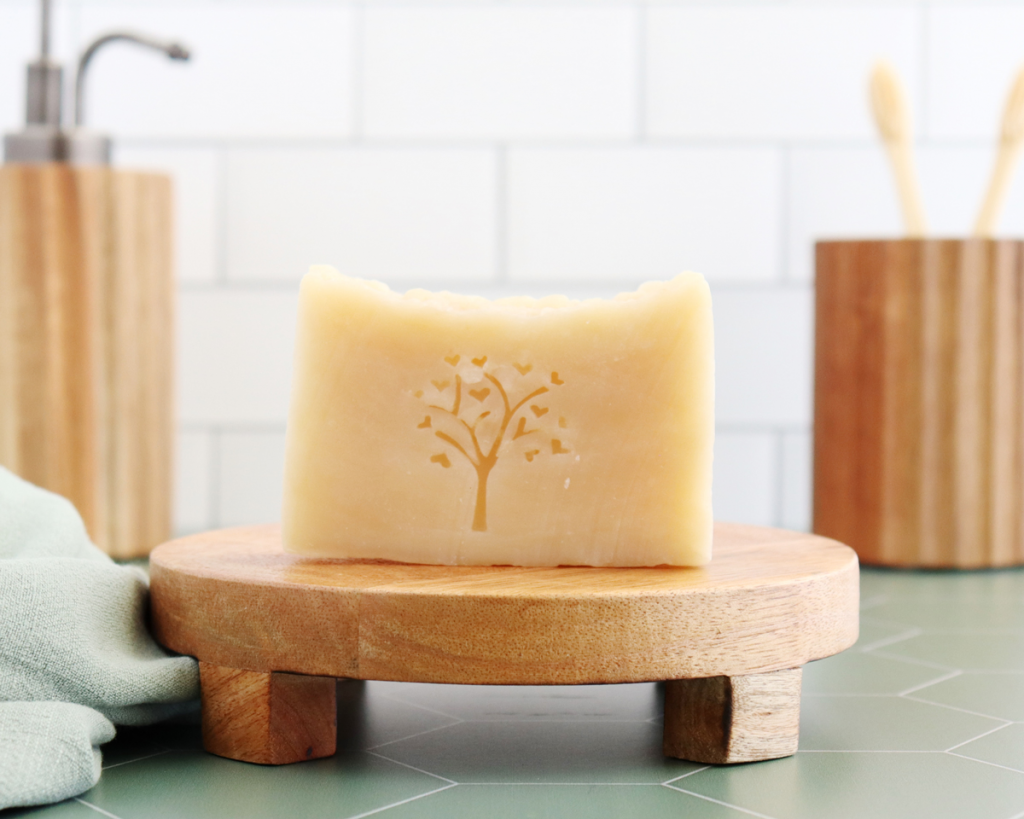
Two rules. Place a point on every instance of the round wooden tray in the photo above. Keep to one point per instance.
(769, 601)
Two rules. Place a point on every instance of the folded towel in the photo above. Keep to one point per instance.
(75, 655)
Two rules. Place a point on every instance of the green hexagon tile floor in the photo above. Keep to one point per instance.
(924, 717)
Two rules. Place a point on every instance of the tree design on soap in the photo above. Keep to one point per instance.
(485, 398)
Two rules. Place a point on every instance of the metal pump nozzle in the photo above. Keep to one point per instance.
(176, 51)
(43, 139)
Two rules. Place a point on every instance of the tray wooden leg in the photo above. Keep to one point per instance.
(722, 720)
(272, 718)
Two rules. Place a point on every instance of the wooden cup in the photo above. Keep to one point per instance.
(86, 328)
(919, 400)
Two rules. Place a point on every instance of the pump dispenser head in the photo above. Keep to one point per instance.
(43, 139)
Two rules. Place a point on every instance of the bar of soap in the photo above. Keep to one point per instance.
(446, 429)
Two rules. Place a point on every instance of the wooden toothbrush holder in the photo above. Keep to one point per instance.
(919, 400)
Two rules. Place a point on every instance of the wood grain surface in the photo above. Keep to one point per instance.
(86, 333)
(919, 401)
(724, 720)
(268, 718)
(769, 600)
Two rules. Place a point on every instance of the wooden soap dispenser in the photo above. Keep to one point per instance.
(86, 316)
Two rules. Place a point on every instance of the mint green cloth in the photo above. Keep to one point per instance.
(75, 655)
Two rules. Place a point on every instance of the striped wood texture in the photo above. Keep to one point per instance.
(86, 376)
(768, 600)
(919, 401)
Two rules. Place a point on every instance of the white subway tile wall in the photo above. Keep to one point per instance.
(250, 477)
(234, 350)
(772, 70)
(953, 180)
(630, 213)
(197, 201)
(797, 457)
(534, 146)
(746, 470)
(399, 214)
(490, 71)
(974, 49)
(194, 495)
(763, 357)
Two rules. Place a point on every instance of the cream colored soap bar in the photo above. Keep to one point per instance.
(436, 428)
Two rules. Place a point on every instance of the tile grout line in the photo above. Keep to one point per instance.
(412, 767)
(864, 751)
(985, 762)
(565, 784)
(691, 773)
(136, 759)
(719, 802)
(979, 736)
(951, 675)
(403, 802)
(925, 663)
(1009, 672)
(412, 736)
(96, 808)
(909, 634)
(914, 661)
(394, 698)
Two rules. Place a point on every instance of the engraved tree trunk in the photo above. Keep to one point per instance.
(483, 471)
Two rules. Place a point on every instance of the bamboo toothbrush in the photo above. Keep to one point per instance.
(1011, 138)
(893, 120)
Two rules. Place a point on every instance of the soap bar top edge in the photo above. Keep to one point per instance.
(327, 275)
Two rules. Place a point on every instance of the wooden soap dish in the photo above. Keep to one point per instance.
(272, 632)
